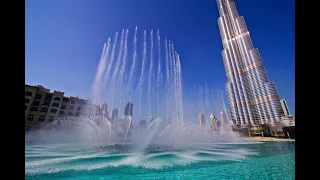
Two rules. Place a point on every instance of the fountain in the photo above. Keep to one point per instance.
(155, 84)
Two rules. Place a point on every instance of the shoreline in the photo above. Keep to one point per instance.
(268, 139)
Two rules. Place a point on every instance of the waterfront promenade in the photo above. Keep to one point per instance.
(268, 139)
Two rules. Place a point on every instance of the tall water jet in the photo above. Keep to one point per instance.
(116, 70)
(150, 70)
(167, 77)
(169, 82)
(122, 79)
(179, 82)
(133, 63)
(96, 87)
(129, 118)
(142, 69)
(175, 88)
(159, 72)
(110, 65)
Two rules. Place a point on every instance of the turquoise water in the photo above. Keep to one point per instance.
(270, 160)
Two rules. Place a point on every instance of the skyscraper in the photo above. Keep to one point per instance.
(252, 98)
(115, 113)
(128, 108)
(104, 108)
(202, 120)
(223, 117)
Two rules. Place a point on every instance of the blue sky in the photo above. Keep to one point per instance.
(64, 39)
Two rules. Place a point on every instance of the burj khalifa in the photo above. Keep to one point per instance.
(252, 98)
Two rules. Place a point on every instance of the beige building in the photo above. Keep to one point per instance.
(30, 92)
(41, 105)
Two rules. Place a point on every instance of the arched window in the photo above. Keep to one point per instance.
(56, 99)
(28, 93)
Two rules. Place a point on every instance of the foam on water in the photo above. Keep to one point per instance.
(49, 159)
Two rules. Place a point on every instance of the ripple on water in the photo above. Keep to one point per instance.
(53, 162)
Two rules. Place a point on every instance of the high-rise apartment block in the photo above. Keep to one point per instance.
(128, 109)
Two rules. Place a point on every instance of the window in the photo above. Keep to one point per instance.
(63, 106)
(26, 100)
(78, 108)
(38, 96)
(50, 120)
(55, 104)
(69, 113)
(25, 107)
(65, 99)
(53, 110)
(78, 114)
(28, 93)
(34, 109)
(62, 112)
(41, 119)
(73, 102)
(45, 103)
(44, 109)
(56, 99)
(30, 118)
(36, 103)
(48, 97)
(70, 107)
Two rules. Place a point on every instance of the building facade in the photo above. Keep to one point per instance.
(252, 98)
(105, 112)
(284, 107)
(223, 117)
(128, 109)
(42, 106)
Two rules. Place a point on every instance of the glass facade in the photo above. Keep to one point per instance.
(252, 98)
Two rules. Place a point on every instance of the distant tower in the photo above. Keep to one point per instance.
(128, 108)
(107, 114)
(215, 122)
(223, 117)
(202, 120)
(213, 119)
(115, 113)
(104, 108)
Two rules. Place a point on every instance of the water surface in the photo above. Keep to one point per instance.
(252, 160)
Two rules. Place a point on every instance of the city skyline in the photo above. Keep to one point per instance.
(85, 71)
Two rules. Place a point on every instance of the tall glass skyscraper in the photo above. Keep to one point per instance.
(128, 109)
(252, 98)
